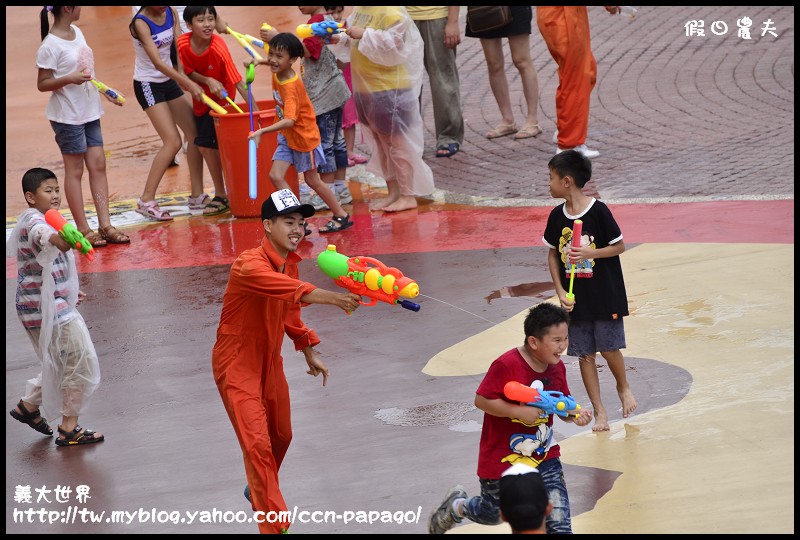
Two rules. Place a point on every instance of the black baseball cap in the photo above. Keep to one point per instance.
(284, 202)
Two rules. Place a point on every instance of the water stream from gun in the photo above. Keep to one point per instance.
(460, 309)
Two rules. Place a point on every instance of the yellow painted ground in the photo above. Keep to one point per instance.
(722, 459)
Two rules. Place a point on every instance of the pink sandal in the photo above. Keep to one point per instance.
(151, 210)
(199, 202)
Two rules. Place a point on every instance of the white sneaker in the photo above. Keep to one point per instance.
(343, 195)
(317, 202)
(583, 149)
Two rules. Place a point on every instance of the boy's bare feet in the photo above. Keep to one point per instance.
(600, 420)
(404, 202)
(628, 401)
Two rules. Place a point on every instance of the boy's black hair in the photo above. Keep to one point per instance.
(572, 163)
(33, 178)
(331, 8)
(543, 316)
(289, 43)
(193, 11)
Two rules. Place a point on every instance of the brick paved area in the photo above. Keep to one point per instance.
(675, 118)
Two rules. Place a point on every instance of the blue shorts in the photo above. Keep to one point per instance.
(152, 93)
(302, 161)
(590, 337)
(330, 130)
(76, 139)
(206, 132)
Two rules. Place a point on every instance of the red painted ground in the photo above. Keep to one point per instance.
(201, 241)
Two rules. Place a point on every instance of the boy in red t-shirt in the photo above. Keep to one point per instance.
(515, 432)
(207, 61)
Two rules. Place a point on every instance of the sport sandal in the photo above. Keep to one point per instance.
(27, 417)
(337, 224)
(76, 437)
(151, 210)
(218, 205)
(112, 235)
(199, 202)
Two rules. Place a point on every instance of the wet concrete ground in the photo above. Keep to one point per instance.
(710, 336)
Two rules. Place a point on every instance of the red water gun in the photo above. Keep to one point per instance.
(376, 282)
(70, 233)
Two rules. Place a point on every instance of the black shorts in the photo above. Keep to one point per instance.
(206, 132)
(520, 24)
(151, 93)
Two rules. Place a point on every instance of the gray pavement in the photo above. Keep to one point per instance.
(675, 118)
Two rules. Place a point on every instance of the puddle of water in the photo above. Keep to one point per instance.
(443, 413)
(470, 426)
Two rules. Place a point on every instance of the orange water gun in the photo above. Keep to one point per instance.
(376, 282)
(69, 232)
(550, 401)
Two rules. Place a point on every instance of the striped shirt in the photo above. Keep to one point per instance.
(33, 235)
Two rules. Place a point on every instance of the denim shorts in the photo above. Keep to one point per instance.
(590, 337)
(206, 132)
(330, 130)
(302, 161)
(152, 93)
(76, 139)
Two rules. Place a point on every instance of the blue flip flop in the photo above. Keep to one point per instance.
(451, 149)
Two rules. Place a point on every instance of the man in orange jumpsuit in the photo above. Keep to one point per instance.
(565, 30)
(262, 303)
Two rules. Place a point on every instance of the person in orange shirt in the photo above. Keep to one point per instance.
(299, 141)
(565, 30)
(262, 303)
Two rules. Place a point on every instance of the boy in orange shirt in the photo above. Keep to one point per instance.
(299, 141)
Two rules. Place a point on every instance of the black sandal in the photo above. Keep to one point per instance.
(337, 224)
(218, 205)
(29, 418)
(76, 436)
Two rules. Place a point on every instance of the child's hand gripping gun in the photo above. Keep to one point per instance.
(550, 401)
(377, 282)
(577, 230)
(323, 29)
(86, 64)
(70, 233)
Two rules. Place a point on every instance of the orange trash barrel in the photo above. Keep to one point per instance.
(232, 131)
